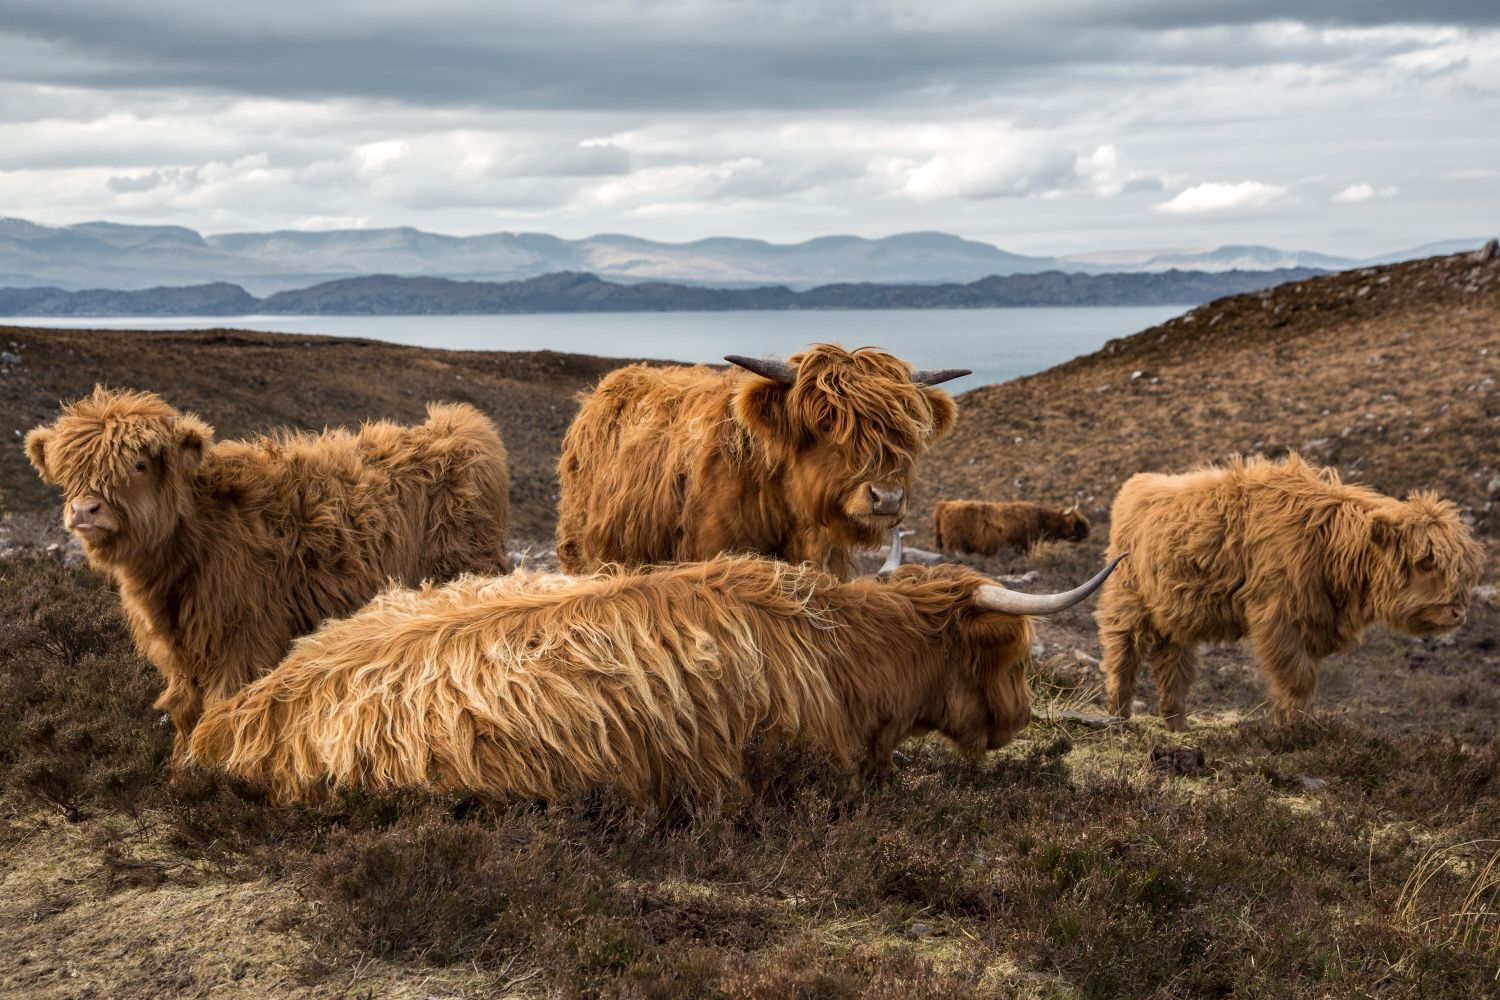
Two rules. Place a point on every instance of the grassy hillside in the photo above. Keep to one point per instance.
(244, 383)
(1354, 854)
(1391, 373)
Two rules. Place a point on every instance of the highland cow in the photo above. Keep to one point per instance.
(651, 684)
(1279, 552)
(225, 552)
(989, 528)
(802, 460)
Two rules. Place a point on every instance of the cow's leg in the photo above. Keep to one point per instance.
(883, 746)
(185, 718)
(1175, 668)
(1292, 672)
(1121, 664)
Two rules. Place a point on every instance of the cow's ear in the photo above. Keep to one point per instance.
(761, 406)
(1385, 530)
(944, 412)
(193, 437)
(36, 450)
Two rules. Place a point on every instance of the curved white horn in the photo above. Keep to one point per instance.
(771, 368)
(993, 598)
(893, 560)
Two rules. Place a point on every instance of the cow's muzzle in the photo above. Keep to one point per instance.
(886, 501)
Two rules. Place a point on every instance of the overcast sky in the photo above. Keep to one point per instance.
(1042, 127)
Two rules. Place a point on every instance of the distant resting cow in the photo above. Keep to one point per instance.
(650, 683)
(225, 552)
(805, 460)
(989, 528)
(1282, 553)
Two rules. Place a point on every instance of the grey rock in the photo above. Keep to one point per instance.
(1490, 251)
(1030, 576)
(7, 358)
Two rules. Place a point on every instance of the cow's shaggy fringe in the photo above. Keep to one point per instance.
(675, 464)
(225, 552)
(651, 683)
(1281, 552)
(989, 528)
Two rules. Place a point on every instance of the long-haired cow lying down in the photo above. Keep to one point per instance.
(1282, 553)
(651, 683)
(225, 552)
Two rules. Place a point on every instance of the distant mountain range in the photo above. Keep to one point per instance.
(126, 257)
(582, 292)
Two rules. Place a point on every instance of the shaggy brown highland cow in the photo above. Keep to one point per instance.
(1282, 553)
(988, 528)
(225, 552)
(650, 683)
(803, 460)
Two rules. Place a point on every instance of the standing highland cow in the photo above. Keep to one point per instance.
(989, 528)
(649, 683)
(804, 460)
(225, 552)
(1282, 553)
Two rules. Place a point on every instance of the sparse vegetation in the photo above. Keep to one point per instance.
(1353, 854)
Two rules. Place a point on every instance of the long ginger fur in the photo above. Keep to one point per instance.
(650, 683)
(1282, 553)
(225, 552)
(988, 528)
(677, 464)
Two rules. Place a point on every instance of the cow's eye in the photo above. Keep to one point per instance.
(1426, 564)
(140, 466)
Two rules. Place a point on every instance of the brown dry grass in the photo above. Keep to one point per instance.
(243, 383)
(1346, 856)
(1398, 386)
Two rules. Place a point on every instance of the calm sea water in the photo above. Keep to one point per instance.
(998, 344)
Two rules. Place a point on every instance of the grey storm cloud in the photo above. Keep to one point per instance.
(686, 56)
(1040, 126)
(134, 185)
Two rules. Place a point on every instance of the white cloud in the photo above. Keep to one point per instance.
(1220, 197)
(1363, 192)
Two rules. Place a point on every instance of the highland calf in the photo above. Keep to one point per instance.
(989, 528)
(1282, 553)
(804, 460)
(225, 552)
(651, 684)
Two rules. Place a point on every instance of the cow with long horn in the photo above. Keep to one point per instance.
(807, 459)
(650, 683)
